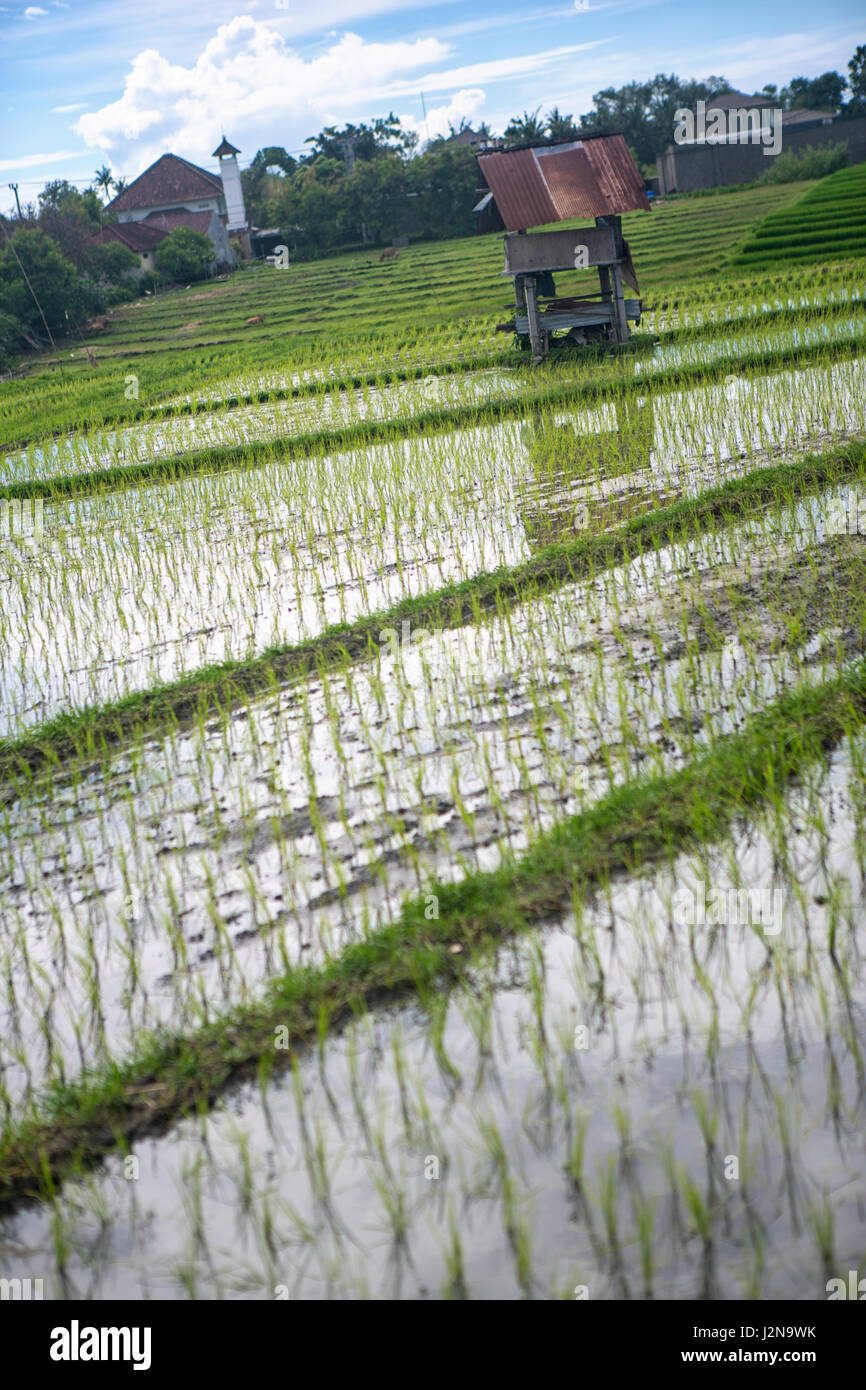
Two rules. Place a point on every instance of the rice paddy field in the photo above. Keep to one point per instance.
(432, 796)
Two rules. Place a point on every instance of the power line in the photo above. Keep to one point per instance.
(10, 243)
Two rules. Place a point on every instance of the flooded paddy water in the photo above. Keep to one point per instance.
(146, 585)
(175, 436)
(647, 1096)
(184, 872)
(623, 1107)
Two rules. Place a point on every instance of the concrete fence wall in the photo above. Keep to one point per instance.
(682, 168)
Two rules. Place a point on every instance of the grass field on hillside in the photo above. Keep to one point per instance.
(354, 317)
(828, 220)
(432, 795)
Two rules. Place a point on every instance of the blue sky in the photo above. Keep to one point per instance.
(87, 82)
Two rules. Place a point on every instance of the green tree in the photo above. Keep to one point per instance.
(558, 126)
(71, 218)
(103, 181)
(361, 142)
(113, 261)
(39, 288)
(822, 93)
(184, 255)
(523, 129)
(442, 183)
(857, 79)
(376, 197)
(644, 111)
(311, 210)
(264, 179)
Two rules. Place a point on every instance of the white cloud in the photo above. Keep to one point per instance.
(493, 70)
(250, 84)
(748, 60)
(28, 161)
(32, 11)
(74, 106)
(462, 106)
(332, 17)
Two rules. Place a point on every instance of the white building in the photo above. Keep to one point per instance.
(174, 193)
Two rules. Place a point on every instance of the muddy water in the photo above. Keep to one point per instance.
(137, 588)
(604, 1027)
(201, 864)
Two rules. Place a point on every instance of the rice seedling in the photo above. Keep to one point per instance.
(374, 665)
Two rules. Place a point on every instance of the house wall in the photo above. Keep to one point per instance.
(225, 256)
(682, 169)
(215, 204)
(234, 198)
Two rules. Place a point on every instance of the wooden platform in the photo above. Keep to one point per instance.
(588, 315)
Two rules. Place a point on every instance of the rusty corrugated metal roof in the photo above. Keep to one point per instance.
(585, 178)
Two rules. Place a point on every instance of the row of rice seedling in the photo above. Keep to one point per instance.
(165, 363)
(829, 219)
(659, 1097)
(172, 881)
(144, 587)
(255, 868)
(167, 446)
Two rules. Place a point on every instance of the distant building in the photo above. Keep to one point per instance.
(138, 237)
(175, 193)
(475, 139)
(230, 177)
(714, 162)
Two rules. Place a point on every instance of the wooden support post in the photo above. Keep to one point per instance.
(536, 338)
(621, 322)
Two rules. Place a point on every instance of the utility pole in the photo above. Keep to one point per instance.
(14, 188)
(349, 154)
(348, 145)
(424, 109)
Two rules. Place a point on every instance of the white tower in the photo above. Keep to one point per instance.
(234, 195)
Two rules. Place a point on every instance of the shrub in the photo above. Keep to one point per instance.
(184, 255)
(814, 162)
(114, 261)
(39, 287)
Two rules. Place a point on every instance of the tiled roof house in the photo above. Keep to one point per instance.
(175, 193)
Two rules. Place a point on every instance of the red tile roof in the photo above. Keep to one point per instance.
(167, 221)
(169, 180)
(801, 116)
(725, 100)
(138, 236)
(583, 178)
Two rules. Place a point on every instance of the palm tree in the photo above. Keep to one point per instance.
(103, 180)
(560, 127)
(119, 185)
(524, 129)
